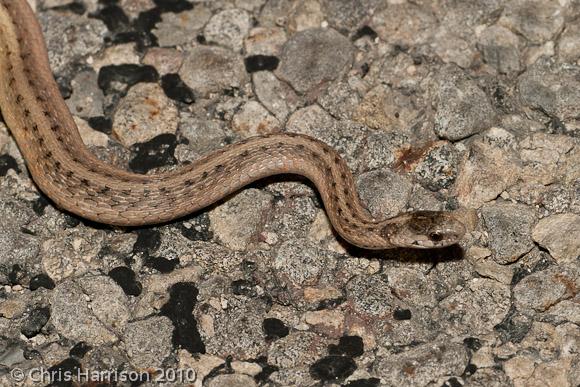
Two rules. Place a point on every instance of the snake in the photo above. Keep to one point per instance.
(76, 181)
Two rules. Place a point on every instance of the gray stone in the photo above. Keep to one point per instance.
(500, 49)
(16, 247)
(437, 168)
(232, 380)
(71, 252)
(311, 58)
(74, 317)
(423, 365)
(228, 28)
(144, 113)
(248, 207)
(292, 218)
(165, 60)
(305, 15)
(485, 174)
(181, 28)
(477, 308)
(371, 295)
(275, 13)
(463, 109)
(11, 353)
(250, 5)
(87, 99)
(341, 98)
(554, 90)
(275, 95)
(384, 148)
(253, 120)
(386, 108)
(265, 41)
(346, 137)
(385, 192)
(509, 227)
(301, 263)
(548, 158)
(236, 327)
(204, 135)
(148, 342)
(70, 37)
(212, 69)
(540, 291)
(569, 45)
(296, 349)
(405, 24)
(346, 14)
(537, 20)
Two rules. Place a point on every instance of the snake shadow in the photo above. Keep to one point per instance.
(446, 254)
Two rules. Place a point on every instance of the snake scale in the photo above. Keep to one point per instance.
(76, 181)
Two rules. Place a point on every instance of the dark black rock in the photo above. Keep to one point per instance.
(36, 320)
(274, 329)
(332, 368)
(155, 153)
(260, 63)
(125, 278)
(8, 162)
(176, 89)
(41, 281)
(178, 309)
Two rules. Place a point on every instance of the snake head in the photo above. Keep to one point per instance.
(424, 230)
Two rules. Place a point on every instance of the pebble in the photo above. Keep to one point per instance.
(313, 57)
(143, 114)
(560, 234)
(463, 109)
(148, 342)
(253, 120)
(485, 174)
(181, 29)
(116, 55)
(165, 60)
(538, 21)
(212, 70)
(500, 49)
(542, 290)
(569, 46)
(232, 380)
(228, 28)
(437, 360)
(86, 99)
(275, 95)
(301, 264)
(265, 41)
(509, 226)
(70, 38)
(385, 192)
(78, 317)
(481, 305)
(250, 207)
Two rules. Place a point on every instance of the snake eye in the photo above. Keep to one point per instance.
(436, 236)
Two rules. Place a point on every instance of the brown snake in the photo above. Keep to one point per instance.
(67, 172)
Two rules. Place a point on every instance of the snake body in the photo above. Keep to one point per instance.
(75, 180)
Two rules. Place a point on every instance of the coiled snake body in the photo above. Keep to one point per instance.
(67, 172)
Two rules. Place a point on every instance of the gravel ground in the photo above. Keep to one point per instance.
(462, 105)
